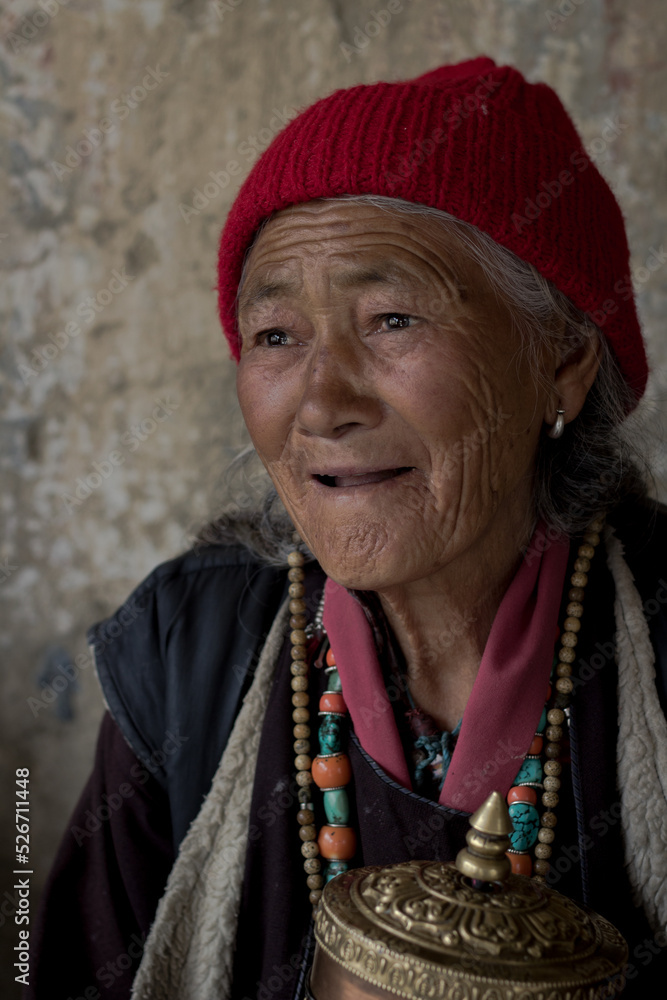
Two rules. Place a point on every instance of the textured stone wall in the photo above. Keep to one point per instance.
(127, 127)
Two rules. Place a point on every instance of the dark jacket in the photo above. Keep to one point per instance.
(175, 662)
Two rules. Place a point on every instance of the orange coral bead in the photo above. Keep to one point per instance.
(332, 772)
(521, 864)
(536, 746)
(337, 843)
(331, 659)
(522, 793)
(331, 701)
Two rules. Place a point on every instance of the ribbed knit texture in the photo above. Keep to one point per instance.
(475, 140)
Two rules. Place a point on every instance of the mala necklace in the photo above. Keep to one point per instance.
(530, 829)
(331, 771)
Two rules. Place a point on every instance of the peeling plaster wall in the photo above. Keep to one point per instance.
(111, 352)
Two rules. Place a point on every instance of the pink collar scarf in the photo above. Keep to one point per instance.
(508, 695)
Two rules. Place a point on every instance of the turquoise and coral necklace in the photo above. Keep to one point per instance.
(542, 767)
(330, 770)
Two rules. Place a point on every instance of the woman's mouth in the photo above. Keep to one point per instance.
(361, 478)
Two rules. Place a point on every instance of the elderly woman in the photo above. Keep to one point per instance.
(425, 285)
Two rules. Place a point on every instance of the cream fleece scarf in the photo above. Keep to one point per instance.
(641, 752)
(190, 949)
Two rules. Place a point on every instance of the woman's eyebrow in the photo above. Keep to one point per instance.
(394, 274)
(351, 277)
(259, 292)
(355, 276)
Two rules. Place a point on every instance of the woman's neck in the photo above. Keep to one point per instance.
(442, 623)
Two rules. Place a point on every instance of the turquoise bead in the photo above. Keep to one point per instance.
(329, 734)
(543, 721)
(530, 772)
(337, 807)
(335, 868)
(334, 682)
(526, 820)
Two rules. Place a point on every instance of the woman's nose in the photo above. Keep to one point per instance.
(338, 394)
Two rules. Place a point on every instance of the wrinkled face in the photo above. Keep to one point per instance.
(384, 389)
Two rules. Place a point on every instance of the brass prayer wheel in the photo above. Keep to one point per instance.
(464, 931)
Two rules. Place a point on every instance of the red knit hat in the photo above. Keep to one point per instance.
(475, 140)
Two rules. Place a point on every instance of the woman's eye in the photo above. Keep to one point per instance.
(273, 338)
(396, 321)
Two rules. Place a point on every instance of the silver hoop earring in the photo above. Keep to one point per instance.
(557, 429)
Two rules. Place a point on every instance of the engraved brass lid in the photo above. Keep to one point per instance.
(429, 929)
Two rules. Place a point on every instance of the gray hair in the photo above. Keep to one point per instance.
(594, 466)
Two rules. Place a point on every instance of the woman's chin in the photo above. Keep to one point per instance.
(372, 571)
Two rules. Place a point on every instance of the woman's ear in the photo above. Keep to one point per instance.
(572, 381)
